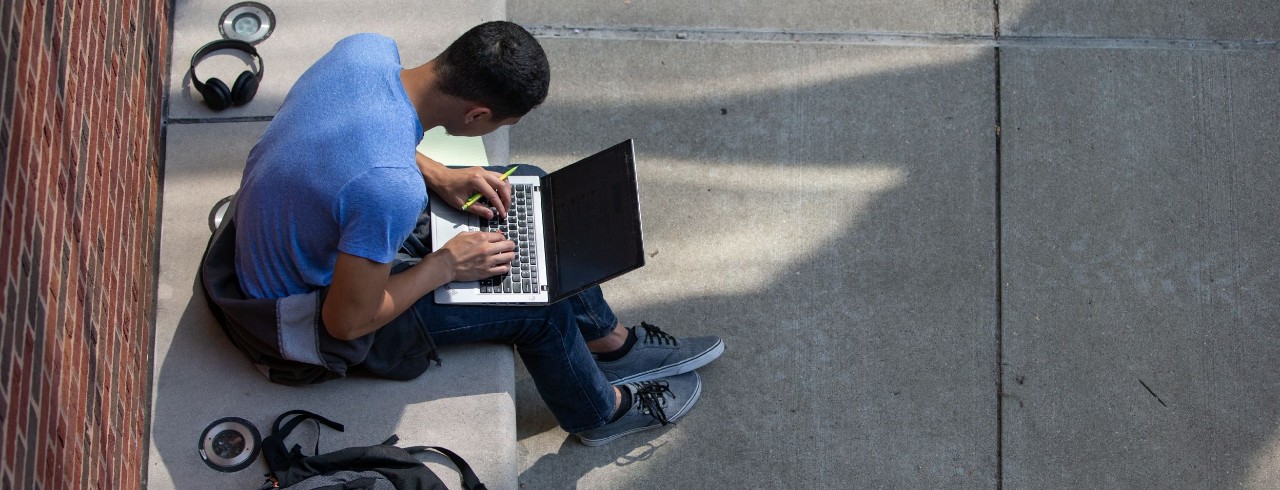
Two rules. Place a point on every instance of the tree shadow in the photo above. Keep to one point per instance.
(862, 321)
(850, 242)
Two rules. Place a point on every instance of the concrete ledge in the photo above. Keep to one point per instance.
(304, 32)
(466, 404)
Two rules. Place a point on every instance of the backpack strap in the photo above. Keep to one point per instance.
(469, 479)
(288, 427)
(279, 457)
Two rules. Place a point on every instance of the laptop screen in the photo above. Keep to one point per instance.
(596, 214)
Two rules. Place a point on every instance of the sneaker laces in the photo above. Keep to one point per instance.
(654, 334)
(651, 399)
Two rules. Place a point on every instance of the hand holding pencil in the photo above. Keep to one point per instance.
(479, 183)
(476, 197)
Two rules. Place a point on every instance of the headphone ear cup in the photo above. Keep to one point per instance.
(216, 95)
(245, 88)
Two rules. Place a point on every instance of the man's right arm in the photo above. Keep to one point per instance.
(364, 296)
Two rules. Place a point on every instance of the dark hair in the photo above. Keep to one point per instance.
(498, 64)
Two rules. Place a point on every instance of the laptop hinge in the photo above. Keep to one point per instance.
(551, 262)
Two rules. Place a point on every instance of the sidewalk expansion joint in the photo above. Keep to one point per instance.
(205, 120)
(716, 35)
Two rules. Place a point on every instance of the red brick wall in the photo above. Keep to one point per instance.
(80, 130)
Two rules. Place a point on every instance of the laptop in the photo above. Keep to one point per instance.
(575, 228)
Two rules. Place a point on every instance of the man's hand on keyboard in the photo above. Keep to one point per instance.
(475, 255)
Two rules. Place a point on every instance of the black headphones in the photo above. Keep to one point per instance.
(214, 91)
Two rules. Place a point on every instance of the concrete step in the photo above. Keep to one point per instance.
(466, 404)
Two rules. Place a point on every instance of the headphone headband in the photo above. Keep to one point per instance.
(219, 45)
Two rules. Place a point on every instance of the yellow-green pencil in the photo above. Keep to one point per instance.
(476, 197)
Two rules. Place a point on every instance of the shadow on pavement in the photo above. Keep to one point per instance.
(862, 345)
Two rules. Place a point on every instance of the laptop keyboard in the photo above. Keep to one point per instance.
(519, 227)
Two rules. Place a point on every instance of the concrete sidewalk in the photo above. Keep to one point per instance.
(974, 244)
(939, 259)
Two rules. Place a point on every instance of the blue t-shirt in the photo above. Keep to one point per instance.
(334, 172)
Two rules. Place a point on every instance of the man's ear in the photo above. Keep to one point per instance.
(477, 113)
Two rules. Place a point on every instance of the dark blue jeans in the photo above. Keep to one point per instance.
(551, 340)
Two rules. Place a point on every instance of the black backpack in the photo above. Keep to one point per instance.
(384, 466)
(285, 338)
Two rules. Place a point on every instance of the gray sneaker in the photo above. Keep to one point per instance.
(657, 354)
(653, 404)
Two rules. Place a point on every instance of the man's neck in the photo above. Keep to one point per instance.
(430, 104)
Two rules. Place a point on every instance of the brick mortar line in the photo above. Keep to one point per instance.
(652, 33)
